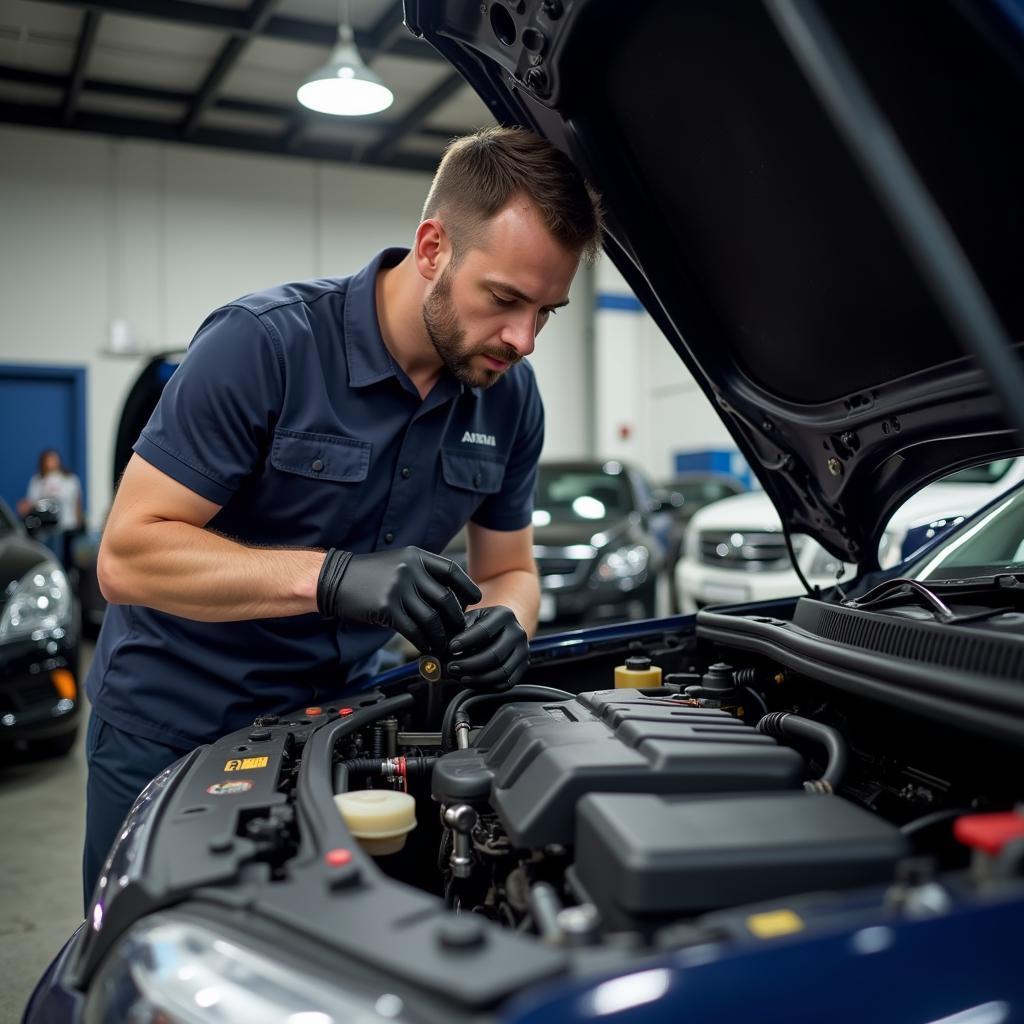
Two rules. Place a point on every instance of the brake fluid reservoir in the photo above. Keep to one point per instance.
(637, 672)
(380, 819)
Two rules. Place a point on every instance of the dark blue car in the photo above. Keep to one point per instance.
(797, 812)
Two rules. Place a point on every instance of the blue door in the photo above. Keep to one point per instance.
(40, 407)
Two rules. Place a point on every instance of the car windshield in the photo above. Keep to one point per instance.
(991, 544)
(583, 492)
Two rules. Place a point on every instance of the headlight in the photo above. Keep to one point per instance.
(623, 563)
(40, 601)
(186, 972)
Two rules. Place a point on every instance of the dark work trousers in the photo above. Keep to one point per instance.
(120, 765)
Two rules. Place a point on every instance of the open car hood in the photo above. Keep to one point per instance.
(740, 149)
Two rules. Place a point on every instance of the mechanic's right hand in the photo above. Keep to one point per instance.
(414, 592)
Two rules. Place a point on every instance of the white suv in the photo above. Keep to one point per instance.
(734, 550)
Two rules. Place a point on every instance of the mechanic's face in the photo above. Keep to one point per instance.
(484, 314)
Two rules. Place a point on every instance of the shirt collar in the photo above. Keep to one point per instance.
(368, 358)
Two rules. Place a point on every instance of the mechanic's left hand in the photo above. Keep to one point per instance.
(492, 652)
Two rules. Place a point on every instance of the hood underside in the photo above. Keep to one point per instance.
(774, 257)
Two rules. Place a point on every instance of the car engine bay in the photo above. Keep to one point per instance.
(764, 788)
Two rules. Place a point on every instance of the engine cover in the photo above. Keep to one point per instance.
(534, 762)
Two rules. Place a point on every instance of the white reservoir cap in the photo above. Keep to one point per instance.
(379, 818)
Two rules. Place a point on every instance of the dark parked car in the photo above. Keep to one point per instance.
(39, 698)
(595, 543)
(599, 541)
(817, 815)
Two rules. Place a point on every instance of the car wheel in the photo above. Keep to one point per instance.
(54, 746)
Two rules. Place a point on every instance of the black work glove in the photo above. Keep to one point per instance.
(419, 594)
(492, 653)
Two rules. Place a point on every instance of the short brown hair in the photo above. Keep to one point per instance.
(480, 173)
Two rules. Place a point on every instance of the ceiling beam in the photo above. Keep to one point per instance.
(47, 79)
(230, 19)
(166, 131)
(256, 18)
(83, 51)
(392, 136)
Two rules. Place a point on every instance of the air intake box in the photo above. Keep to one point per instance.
(534, 762)
(650, 858)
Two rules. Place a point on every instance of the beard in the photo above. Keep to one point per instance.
(448, 337)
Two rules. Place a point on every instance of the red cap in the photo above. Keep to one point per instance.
(346, 711)
(314, 711)
(989, 832)
(338, 858)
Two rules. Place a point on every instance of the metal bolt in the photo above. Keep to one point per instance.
(835, 467)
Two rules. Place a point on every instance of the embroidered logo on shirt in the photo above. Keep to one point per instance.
(469, 437)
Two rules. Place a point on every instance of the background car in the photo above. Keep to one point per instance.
(682, 497)
(39, 695)
(735, 551)
(595, 532)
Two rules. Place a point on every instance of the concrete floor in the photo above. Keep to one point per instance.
(42, 821)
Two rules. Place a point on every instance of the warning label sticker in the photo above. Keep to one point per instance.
(243, 764)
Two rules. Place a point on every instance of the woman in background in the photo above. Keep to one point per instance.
(54, 483)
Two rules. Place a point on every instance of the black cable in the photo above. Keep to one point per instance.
(911, 828)
(782, 724)
(796, 565)
(757, 697)
(891, 588)
(927, 236)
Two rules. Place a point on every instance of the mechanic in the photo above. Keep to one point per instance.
(319, 444)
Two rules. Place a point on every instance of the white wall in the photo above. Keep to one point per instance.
(96, 229)
(648, 406)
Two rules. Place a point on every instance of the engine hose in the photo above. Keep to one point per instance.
(783, 725)
(386, 766)
(469, 697)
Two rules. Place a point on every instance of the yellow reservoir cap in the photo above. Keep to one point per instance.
(379, 818)
(773, 923)
(637, 673)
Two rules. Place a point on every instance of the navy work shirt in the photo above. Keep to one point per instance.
(289, 412)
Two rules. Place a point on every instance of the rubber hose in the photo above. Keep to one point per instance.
(782, 724)
(522, 692)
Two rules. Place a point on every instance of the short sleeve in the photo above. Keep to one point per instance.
(35, 488)
(512, 507)
(212, 425)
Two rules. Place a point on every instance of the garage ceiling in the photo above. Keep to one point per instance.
(224, 73)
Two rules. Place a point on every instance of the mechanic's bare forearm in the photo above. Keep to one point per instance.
(190, 571)
(518, 589)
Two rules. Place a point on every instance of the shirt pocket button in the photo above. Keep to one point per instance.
(317, 466)
(477, 480)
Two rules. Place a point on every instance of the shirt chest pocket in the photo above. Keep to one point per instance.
(467, 480)
(323, 475)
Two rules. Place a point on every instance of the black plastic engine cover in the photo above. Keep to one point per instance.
(533, 762)
(651, 858)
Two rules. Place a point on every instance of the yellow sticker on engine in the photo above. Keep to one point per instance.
(242, 764)
(774, 923)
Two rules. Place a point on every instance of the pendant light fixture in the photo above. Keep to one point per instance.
(345, 85)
